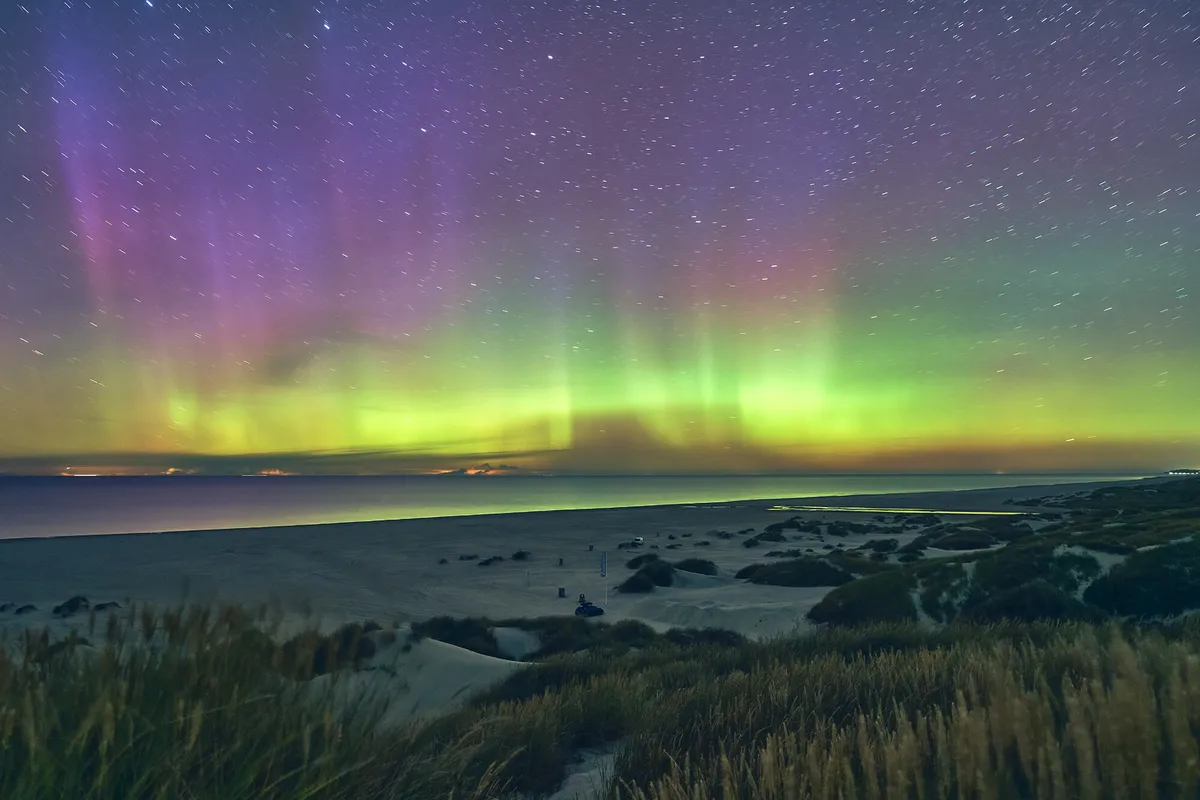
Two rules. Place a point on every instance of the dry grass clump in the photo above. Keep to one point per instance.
(182, 703)
(206, 705)
(1092, 713)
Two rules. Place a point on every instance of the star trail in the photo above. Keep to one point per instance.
(602, 236)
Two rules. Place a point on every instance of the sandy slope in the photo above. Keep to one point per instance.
(411, 680)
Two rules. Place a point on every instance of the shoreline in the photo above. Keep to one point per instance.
(866, 503)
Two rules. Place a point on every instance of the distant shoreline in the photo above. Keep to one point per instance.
(957, 501)
(418, 568)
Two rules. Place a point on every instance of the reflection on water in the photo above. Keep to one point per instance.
(72, 506)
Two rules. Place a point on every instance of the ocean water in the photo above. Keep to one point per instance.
(40, 507)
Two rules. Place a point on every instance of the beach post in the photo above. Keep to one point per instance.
(604, 573)
(562, 591)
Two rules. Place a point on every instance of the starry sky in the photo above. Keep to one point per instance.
(600, 236)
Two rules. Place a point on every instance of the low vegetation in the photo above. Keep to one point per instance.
(650, 574)
(201, 708)
(699, 566)
(1138, 561)
(796, 572)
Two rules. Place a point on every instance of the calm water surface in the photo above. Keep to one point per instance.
(34, 507)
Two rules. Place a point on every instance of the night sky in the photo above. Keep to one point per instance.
(601, 236)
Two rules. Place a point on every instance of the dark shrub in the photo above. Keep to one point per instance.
(561, 634)
(631, 633)
(964, 540)
(910, 557)
(1105, 546)
(918, 544)
(487, 562)
(882, 545)
(886, 597)
(1033, 601)
(1010, 531)
(470, 633)
(1151, 583)
(772, 536)
(471, 557)
(796, 572)
(660, 572)
(855, 564)
(751, 542)
(637, 583)
(638, 561)
(690, 637)
(700, 566)
(309, 654)
(651, 574)
(1018, 565)
(72, 606)
(521, 555)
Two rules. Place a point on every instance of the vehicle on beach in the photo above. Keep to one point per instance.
(586, 609)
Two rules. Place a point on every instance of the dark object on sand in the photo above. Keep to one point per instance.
(560, 561)
(25, 609)
(699, 566)
(637, 562)
(520, 555)
(586, 609)
(106, 606)
(562, 591)
(591, 547)
(7, 606)
(443, 561)
(73, 606)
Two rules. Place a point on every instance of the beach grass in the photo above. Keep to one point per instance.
(199, 703)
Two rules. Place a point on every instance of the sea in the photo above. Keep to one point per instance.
(32, 507)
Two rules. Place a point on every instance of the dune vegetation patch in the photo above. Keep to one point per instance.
(699, 566)
(649, 575)
(201, 709)
(1139, 561)
(796, 572)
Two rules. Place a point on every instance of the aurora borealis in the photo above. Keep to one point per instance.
(600, 236)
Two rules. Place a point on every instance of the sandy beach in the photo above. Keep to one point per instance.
(390, 571)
